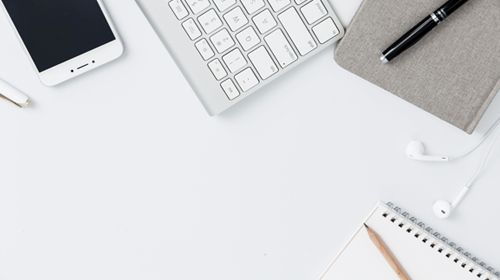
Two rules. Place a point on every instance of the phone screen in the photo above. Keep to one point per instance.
(55, 31)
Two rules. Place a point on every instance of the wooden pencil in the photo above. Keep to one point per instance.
(388, 255)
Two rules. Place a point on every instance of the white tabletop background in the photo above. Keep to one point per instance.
(120, 174)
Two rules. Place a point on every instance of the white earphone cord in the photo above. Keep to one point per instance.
(488, 133)
(487, 155)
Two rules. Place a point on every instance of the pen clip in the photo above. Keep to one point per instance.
(11, 101)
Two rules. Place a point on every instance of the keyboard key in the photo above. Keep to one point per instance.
(178, 9)
(246, 79)
(197, 6)
(223, 5)
(263, 63)
(248, 38)
(243, 44)
(222, 41)
(235, 18)
(230, 89)
(313, 11)
(252, 6)
(281, 49)
(204, 49)
(278, 5)
(210, 21)
(191, 29)
(325, 30)
(264, 21)
(217, 69)
(297, 31)
(234, 60)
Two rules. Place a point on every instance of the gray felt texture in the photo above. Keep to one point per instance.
(453, 73)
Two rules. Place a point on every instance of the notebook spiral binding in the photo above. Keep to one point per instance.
(455, 253)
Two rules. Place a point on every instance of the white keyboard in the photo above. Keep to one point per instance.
(244, 44)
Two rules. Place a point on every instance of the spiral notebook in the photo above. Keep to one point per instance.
(423, 253)
(453, 73)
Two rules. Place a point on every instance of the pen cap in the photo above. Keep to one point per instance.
(14, 95)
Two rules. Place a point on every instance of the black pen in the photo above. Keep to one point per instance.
(420, 30)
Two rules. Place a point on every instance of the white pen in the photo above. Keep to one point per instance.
(13, 95)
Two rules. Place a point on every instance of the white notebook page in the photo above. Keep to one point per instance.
(417, 251)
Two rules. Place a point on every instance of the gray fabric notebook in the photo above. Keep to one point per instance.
(453, 73)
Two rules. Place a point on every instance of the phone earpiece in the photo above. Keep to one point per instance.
(416, 151)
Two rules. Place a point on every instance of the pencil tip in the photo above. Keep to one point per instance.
(366, 226)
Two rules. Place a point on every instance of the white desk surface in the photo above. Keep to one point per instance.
(120, 174)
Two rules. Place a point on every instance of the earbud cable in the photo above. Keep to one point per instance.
(485, 160)
(488, 133)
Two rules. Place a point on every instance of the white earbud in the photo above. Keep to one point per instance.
(443, 208)
(416, 151)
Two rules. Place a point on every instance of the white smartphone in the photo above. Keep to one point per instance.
(64, 38)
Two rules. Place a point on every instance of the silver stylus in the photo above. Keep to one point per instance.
(10, 93)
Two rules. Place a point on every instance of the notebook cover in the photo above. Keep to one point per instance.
(423, 253)
(453, 73)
